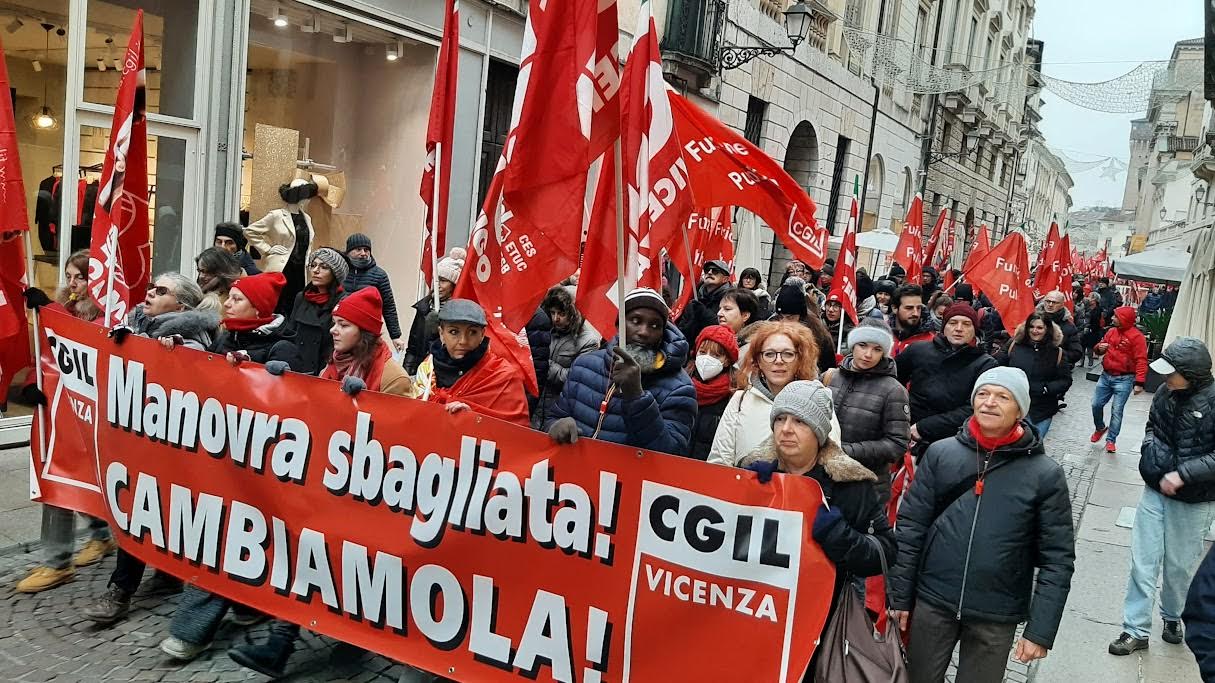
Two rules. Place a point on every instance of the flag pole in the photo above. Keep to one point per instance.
(434, 226)
(620, 293)
(35, 490)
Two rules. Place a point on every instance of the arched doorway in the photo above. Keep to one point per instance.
(873, 193)
(801, 161)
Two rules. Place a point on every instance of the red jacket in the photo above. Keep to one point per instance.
(1127, 352)
(491, 388)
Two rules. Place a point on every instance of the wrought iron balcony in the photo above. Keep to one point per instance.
(692, 38)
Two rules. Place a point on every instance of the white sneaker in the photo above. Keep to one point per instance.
(181, 650)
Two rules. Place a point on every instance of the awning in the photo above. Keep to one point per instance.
(1194, 314)
(878, 240)
(1163, 266)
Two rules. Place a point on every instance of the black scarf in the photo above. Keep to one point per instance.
(449, 370)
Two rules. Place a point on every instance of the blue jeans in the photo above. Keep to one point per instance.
(1043, 427)
(1118, 388)
(1167, 532)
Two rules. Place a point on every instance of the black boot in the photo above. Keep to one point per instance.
(268, 658)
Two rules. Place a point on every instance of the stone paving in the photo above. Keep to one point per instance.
(42, 637)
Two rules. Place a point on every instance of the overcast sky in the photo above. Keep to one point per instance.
(1122, 32)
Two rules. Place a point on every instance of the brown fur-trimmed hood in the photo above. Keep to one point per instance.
(839, 466)
(1020, 337)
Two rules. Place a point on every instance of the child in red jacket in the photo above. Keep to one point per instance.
(1123, 371)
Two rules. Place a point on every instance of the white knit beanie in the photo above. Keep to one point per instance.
(808, 401)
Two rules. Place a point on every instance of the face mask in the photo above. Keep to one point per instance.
(361, 262)
(708, 367)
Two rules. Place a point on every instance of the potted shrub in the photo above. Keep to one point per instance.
(1155, 327)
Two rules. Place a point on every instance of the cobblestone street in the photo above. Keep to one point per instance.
(42, 637)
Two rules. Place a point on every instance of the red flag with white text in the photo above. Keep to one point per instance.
(711, 232)
(440, 136)
(1066, 270)
(120, 253)
(978, 249)
(910, 248)
(14, 223)
(843, 284)
(1002, 275)
(930, 251)
(943, 261)
(1046, 277)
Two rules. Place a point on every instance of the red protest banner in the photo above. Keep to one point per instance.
(120, 254)
(1001, 274)
(14, 223)
(440, 136)
(471, 547)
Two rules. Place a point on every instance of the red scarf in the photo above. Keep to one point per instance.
(716, 389)
(246, 324)
(990, 445)
(320, 296)
(342, 366)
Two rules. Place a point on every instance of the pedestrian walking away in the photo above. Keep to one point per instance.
(1177, 463)
(1124, 370)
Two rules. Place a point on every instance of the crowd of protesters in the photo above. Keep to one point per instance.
(922, 420)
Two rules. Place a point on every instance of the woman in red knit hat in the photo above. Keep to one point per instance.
(251, 328)
(361, 359)
(712, 373)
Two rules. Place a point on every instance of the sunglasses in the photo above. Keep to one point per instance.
(159, 289)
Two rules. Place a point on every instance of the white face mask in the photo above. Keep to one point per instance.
(708, 367)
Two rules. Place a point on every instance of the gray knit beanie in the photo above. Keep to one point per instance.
(334, 261)
(1012, 379)
(874, 331)
(808, 401)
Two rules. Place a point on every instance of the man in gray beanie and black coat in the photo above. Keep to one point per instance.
(987, 509)
(870, 403)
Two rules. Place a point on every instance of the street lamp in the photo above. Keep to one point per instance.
(797, 24)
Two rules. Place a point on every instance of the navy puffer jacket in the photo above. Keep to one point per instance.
(660, 419)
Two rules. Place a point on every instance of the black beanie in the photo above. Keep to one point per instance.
(357, 240)
(791, 301)
(232, 231)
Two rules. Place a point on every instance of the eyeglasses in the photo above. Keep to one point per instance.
(784, 356)
(318, 265)
(160, 290)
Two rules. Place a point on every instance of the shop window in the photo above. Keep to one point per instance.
(170, 29)
(344, 104)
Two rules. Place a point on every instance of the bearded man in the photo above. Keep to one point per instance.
(638, 395)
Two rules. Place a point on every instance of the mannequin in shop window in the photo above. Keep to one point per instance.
(284, 238)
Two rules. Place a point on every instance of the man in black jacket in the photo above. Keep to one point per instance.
(365, 273)
(702, 310)
(987, 509)
(938, 375)
(1199, 617)
(1177, 463)
(1053, 308)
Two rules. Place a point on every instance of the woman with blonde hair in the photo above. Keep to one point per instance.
(779, 353)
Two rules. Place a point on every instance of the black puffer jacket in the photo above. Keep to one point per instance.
(1045, 364)
(1073, 350)
(375, 276)
(561, 349)
(871, 407)
(976, 555)
(939, 378)
(701, 311)
(1093, 329)
(705, 428)
(310, 324)
(422, 333)
(1181, 426)
(272, 341)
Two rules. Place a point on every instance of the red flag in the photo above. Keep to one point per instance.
(14, 223)
(1046, 277)
(910, 248)
(1002, 274)
(724, 169)
(930, 252)
(712, 238)
(120, 252)
(943, 263)
(978, 249)
(843, 284)
(440, 135)
(1066, 270)
(528, 234)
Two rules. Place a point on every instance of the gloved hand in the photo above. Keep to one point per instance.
(237, 357)
(353, 385)
(277, 367)
(824, 520)
(564, 430)
(35, 298)
(119, 334)
(764, 468)
(32, 395)
(626, 373)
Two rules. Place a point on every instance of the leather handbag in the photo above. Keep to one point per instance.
(851, 650)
